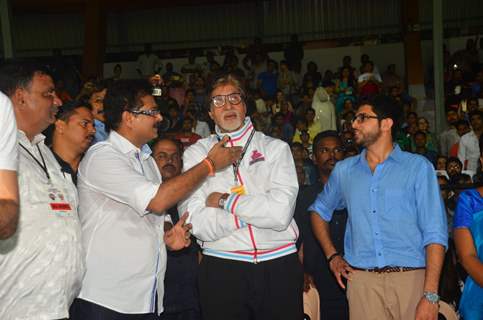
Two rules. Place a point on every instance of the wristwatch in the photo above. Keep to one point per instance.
(432, 297)
(222, 201)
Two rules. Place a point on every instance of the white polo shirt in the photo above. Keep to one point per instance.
(41, 266)
(8, 135)
(123, 243)
(469, 151)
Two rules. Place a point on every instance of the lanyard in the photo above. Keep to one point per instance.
(41, 165)
(236, 165)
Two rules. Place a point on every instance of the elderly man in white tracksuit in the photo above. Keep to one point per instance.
(242, 217)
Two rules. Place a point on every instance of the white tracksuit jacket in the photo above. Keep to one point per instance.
(254, 227)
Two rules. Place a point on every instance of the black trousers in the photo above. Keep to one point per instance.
(85, 310)
(182, 315)
(234, 290)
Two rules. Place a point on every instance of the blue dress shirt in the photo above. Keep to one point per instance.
(101, 133)
(394, 212)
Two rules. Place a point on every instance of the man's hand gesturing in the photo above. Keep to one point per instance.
(224, 156)
(178, 237)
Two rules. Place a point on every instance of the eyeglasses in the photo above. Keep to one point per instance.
(149, 113)
(334, 150)
(361, 117)
(220, 100)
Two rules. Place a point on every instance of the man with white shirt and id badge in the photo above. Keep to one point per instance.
(122, 209)
(41, 264)
(243, 218)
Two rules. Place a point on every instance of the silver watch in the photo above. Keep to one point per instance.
(221, 202)
(432, 297)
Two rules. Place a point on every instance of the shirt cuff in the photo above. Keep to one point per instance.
(230, 206)
(231, 202)
(435, 238)
(321, 210)
(9, 164)
(143, 196)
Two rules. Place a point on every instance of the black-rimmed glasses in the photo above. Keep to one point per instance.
(220, 100)
(149, 113)
(361, 117)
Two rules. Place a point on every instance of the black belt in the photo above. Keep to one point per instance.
(389, 269)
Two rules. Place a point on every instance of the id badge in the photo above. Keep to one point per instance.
(238, 190)
(58, 203)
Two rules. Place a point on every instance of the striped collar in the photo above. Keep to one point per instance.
(240, 136)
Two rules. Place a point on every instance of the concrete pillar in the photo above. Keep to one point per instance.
(94, 38)
(6, 26)
(412, 48)
(438, 30)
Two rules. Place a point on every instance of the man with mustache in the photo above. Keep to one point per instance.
(41, 265)
(122, 204)
(243, 218)
(73, 134)
(181, 291)
(327, 151)
(396, 230)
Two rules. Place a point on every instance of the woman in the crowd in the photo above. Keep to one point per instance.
(431, 141)
(345, 88)
(283, 105)
(468, 237)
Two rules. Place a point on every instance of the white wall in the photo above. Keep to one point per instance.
(327, 58)
(330, 58)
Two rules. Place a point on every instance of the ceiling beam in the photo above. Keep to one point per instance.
(78, 6)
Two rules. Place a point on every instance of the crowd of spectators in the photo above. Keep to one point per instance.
(295, 102)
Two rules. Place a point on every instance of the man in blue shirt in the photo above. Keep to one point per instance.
(267, 81)
(396, 230)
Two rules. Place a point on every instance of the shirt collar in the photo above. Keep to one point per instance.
(396, 154)
(22, 137)
(239, 136)
(126, 147)
(99, 124)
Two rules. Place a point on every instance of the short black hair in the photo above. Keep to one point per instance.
(475, 113)
(412, 113)
(420, 133)
(123, 95)
(176, 142)
(324, 135)
(385, 107)
(19, 75)
(278, 115)
(454, 159)
(297, 145)
(461, 123)
(299, 120)
(309, 109)
(69, 108)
